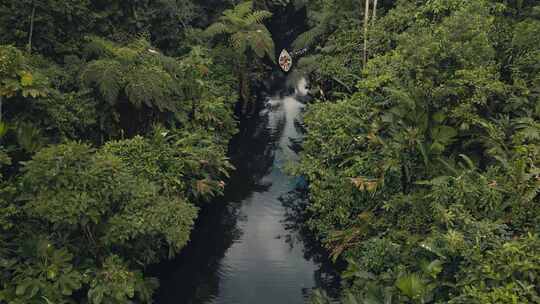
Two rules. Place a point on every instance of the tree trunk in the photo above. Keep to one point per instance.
(245, 94)
(244, 83)
(366, 22)
(1, 97)
(374, 11)
(31, 33)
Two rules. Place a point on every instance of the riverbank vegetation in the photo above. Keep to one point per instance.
(423, 157)
(421, 153)
(115, 121)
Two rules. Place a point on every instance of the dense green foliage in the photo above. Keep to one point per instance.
(114, 126)
(423, 165)
(422, 149)
(245, 33)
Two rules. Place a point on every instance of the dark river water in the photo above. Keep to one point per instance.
(246, 248)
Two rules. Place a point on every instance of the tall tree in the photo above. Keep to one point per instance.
(244, 30)
(366, 22)
(31, 32)
(374, 10)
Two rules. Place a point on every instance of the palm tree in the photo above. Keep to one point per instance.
(246, 33)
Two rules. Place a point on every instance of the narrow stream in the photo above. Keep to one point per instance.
(242, 250)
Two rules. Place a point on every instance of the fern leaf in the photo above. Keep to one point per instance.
(257, 17)
(98, 47)
(215, 29)
(151, 86)
(243, 9)
(261, 43)
(309, 38)
(106, 76)
(239, 42)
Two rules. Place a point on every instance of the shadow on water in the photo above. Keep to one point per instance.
(251, 245)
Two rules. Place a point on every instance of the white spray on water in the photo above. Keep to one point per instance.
(283, 113)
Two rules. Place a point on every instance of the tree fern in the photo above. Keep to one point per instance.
(527, 128)
(241, 10)
(309, 64)
(309, 38)
(151, 86)
(244, 27)
(106, 76)
(322, 21)
(217, 28)
(257, 17)
(239, 42)
(138, 72)
(245, 32)
(98, 47)
(261, 43)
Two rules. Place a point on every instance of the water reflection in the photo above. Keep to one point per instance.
(252, 248)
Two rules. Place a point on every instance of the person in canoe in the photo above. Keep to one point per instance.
(285, 61)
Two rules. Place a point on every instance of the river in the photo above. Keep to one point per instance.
(243, 249)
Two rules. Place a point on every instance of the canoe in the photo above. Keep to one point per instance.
(285, 61)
